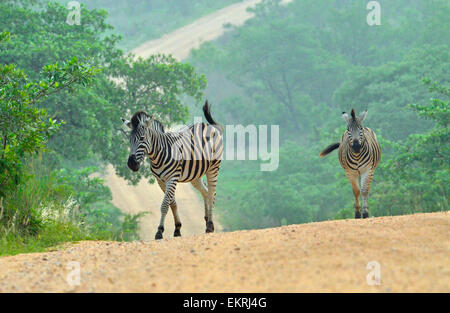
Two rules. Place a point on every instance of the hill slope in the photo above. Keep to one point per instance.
(412, 250)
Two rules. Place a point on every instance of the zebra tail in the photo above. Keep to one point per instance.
(209, 118)
(329, 149)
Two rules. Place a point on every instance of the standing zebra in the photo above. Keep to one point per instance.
(359, 155)
(183, 156)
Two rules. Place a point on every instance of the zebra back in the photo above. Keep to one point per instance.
(158, 126)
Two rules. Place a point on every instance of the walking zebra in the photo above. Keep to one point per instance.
(178, 157)
(359, 155)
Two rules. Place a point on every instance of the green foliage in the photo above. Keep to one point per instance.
(86, 188)
(24, 131)
(107, 221)
(24, 128)
(52, 235)
(301, 190)
(92, 117)
(416, 177)
(295, 65)
(84, 113)
(275, 60)
(299, 66)
(386, 90)
(56, 206)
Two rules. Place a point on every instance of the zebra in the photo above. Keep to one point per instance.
(178, 157)
(359, 155)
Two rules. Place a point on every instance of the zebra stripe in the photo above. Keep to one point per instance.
(182, 156)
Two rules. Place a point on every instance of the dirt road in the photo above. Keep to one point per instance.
(412, 251)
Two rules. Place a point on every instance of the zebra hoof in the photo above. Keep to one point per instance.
(158, 236)
(357, 214)
(159, 233)
(177, 233)
(365, 214)
(209, 227)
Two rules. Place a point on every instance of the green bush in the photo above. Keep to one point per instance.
(56, 206)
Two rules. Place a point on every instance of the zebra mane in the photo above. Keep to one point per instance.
(157, 125)
(141, 116)
(138, 118)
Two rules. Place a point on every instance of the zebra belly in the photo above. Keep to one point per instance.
(357, 171)
(193, 169)
(186, 171)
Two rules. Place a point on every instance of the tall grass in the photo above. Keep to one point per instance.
(56, 206)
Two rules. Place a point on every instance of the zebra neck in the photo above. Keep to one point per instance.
(154, 145)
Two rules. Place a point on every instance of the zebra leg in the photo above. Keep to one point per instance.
(169, 196)
(198, 184)
(174, 208)
(366, 180)
(353, 178)
(211, 199)
(176, 218)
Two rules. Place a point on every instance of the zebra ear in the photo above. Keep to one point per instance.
(149, 121)
(362, 116)
(126, 123)
(345, 117)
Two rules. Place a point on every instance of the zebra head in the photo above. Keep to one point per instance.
(139, 143)
(355, 131)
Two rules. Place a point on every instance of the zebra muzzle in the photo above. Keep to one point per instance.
(132, 163)
(356, 147)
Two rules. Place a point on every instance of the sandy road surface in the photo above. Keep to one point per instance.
(413, 252)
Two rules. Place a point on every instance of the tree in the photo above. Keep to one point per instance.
(24, 128)
(303, 189)
(416, 177)
(386, 91)
(277, 63)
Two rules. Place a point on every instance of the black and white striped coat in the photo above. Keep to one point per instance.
(178, 157)
(359, 155)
